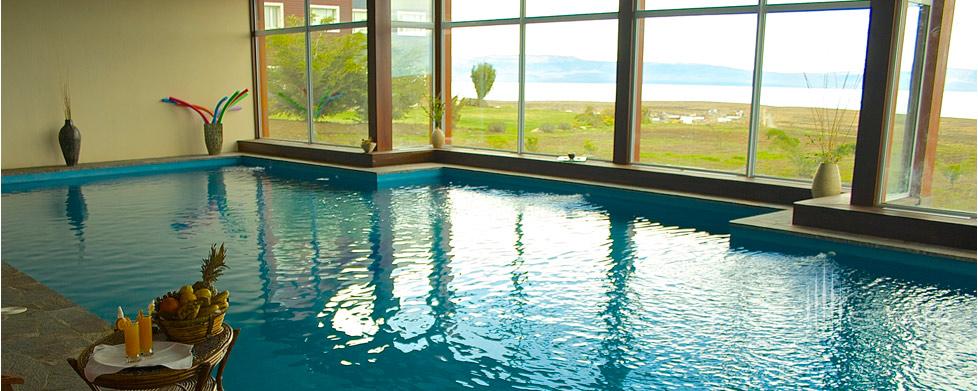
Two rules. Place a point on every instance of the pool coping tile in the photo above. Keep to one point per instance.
(37, 342)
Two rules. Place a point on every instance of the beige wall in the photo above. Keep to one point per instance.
(121, 57)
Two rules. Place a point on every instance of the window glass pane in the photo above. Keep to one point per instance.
(931, 158)
(456, 10)
(325, 14)
(336, 11)
(410, 71)
(359, 15)
(679, 4)
(283, 73)
(570, 88)
(696, 91)
(483, 63)
(952, 185)
(900, 153)
(802, 1)
(281, 13)
(569, 7)
(339, 80)
(811, 91)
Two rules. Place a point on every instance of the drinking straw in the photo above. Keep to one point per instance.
(202, 116)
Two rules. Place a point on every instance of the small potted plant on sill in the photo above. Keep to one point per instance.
(368, 145)
(833, 128)
(435, 109)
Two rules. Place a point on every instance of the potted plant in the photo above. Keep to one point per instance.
(833, 127)
(435, 109)
(368, 145)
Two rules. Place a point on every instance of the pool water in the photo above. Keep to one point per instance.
(471, 280)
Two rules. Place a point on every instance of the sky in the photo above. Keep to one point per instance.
(830, 41)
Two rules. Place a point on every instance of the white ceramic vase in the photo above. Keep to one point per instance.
(827, 181)
(437, 138)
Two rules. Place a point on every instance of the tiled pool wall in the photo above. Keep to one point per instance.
(671, 209)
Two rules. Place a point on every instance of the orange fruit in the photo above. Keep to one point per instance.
(169, 305)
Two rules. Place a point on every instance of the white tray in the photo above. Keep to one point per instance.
(112, 358)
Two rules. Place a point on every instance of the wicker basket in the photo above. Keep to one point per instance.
(191, 330)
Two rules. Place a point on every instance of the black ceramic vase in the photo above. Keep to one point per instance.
(70, 139)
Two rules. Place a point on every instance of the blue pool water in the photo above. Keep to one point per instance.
(453, 279)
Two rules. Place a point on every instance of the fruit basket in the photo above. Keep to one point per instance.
(194, 312)
(191, 330)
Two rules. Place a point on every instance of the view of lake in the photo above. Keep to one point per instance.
(957, 104)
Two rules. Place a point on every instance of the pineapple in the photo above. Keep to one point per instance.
(212, 268)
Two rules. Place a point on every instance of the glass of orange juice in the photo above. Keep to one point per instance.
(130, 332)
(145, 335)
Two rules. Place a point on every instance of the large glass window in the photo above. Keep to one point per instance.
(339, 85)
(695, 91)
(283, 71)
(931, 144)
(811, 92)
(714, 90)
(566, 60)
(483, 86)
(329, 62)
(570, 88)
(411, 68)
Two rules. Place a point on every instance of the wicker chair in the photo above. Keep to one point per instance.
(209, 382)
(8, 382)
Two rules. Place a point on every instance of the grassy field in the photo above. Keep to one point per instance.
(716, 141)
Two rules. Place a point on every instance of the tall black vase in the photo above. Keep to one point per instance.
(70, 139)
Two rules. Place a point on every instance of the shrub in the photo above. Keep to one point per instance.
(483, 76)
(589, 147)
(497, 141)
(457, 105)
(590, 118)
(496, 127)
(531, 143)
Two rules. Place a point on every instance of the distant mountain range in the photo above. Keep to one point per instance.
(561, 69)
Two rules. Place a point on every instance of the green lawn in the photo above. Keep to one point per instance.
(557, 128)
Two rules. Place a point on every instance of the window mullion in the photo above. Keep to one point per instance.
(627, 128)
(309, 91)
(521, 104)
(755, 102)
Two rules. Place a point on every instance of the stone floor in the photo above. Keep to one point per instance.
(39, 357)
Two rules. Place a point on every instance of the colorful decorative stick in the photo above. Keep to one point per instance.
(235, 100)
(217, 109)
(202, 116)
(199, 107)
(226, 103)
